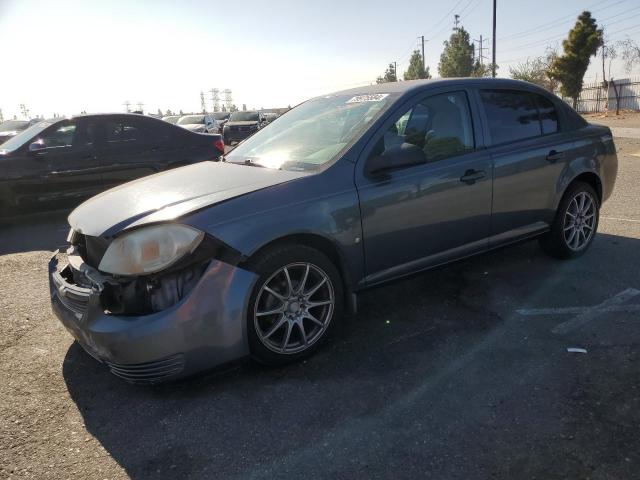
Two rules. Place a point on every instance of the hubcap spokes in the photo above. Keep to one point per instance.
(293, 308)
(579, 221)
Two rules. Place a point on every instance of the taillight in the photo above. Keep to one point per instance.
(219, 144)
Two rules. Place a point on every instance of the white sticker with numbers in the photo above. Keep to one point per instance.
(374, 97)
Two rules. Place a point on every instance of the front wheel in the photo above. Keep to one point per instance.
(575, 224)
(294, 305)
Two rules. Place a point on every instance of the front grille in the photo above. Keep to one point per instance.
(149, 372)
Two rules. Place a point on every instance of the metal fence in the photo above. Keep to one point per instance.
(595, 97)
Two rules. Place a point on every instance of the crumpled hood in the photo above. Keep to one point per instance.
(168, 195)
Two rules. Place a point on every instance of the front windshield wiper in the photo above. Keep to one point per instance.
(252, 163)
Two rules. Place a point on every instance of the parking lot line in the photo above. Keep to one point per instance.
(586, 314)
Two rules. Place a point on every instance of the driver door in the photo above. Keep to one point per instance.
(424, 213)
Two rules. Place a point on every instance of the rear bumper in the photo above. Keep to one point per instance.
(205, 329)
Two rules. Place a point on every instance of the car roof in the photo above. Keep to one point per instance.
(411, 86)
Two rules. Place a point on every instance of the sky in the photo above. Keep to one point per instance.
(68, 56)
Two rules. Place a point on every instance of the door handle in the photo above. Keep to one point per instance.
(472, 176)
(554, 156)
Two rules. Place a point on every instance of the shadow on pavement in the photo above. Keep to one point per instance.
(436, 377)
(42, 231)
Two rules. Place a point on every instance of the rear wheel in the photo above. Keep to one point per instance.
(575, 224)
(294, 304)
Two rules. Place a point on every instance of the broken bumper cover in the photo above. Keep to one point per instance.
(205, 329)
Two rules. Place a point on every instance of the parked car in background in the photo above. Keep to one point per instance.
(10, 128)
(222, 118)
(242, 125)
(58, 163)
(171, 118)
(270, 117)
(189, 269)
(199, 123)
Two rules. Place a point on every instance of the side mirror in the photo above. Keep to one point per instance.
(37, 147)
(395, 157)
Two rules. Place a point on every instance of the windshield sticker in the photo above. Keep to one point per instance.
(375, 97)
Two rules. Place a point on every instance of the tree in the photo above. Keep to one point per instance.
(416, 70)
(456, 59)
(389, 75)
(233, 108)
(482, 69)
(536, 70)
(159, 112)
(181, 112)
(630, 53)
(582, 43)
(169, 112)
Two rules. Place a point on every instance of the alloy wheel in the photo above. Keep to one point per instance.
(579, 221)
(294, 308)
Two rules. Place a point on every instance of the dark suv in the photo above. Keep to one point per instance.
(59, 163)
(241, 125)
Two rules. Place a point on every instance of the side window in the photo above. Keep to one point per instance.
(512, 115)
(439, 125)
(62, 136)
(119, 133)
(548, 115)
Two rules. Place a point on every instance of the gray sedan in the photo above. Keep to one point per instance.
(262, 254)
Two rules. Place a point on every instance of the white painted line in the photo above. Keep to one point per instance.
(577, 310)
(585, 314)
(620, 219)
(592, 313)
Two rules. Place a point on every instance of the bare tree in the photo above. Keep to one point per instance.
(630, 53)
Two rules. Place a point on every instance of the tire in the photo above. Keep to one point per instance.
(565, 241)
(273, 302)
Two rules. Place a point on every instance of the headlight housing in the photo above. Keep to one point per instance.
(149, 249)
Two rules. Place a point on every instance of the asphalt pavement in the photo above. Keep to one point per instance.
(459, 373)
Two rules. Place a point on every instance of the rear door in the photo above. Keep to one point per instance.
(529, 152)
(132, 148)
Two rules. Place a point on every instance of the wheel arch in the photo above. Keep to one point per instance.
(314, 240)
(590, 178)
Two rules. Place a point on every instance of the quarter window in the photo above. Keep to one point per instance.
(512, 115)
(440, 125)
(548, 115)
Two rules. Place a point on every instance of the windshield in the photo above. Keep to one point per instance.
(23, 137)
(190, 120)
(311, 134)
(220, 115)
(11, 125)
(244, 117)
(170, 119)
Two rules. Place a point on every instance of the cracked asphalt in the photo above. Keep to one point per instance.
(439, 376)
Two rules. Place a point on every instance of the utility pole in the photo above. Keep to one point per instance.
(140, 106)
(203, 104)
(127, 104)
(481, 49)
(395, 73)
(493, 39)
(423, 63)
(456, 21)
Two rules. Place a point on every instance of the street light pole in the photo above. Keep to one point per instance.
(493, 50)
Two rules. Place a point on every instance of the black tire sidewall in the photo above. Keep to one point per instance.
(265, 265)
(554, 242)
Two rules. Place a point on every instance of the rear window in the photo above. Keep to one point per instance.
(512, 115)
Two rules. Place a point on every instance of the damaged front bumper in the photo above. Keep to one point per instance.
(205, 328)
